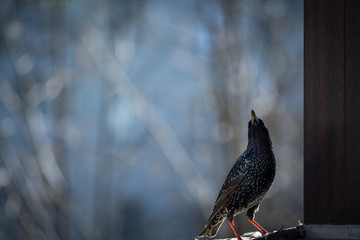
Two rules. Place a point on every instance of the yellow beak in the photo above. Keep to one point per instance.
(253, 116)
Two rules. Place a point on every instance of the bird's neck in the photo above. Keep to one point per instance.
(262, 142)
(258, 144)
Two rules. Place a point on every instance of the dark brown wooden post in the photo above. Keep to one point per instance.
(332, 112)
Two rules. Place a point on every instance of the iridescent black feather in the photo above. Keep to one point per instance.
(248, 180)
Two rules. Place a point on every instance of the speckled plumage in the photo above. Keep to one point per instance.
(248, 180)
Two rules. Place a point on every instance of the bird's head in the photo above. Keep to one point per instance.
(258, 132)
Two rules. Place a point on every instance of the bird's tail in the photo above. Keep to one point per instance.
(211, 228)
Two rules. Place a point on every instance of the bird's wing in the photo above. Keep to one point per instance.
(232, 182)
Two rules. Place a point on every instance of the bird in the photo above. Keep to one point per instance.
(246, 184)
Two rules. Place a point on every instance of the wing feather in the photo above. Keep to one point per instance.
(232, 182)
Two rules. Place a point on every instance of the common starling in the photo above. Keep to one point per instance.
(247, 182)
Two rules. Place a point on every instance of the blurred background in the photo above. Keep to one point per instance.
(121, 119)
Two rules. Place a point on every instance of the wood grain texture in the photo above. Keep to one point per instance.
(331, 96)
(351, 172)
(324, 109)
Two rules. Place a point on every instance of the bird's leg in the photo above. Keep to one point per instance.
(262, 230)
(231, 223)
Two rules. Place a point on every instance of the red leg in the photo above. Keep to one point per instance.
(262, 230)
(234, 229)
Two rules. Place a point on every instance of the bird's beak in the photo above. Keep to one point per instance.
(253, 117)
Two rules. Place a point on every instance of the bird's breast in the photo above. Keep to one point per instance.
(260, 170)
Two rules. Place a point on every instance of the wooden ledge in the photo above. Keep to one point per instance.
(284, 234)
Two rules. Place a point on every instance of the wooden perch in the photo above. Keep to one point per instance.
(284, 234)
